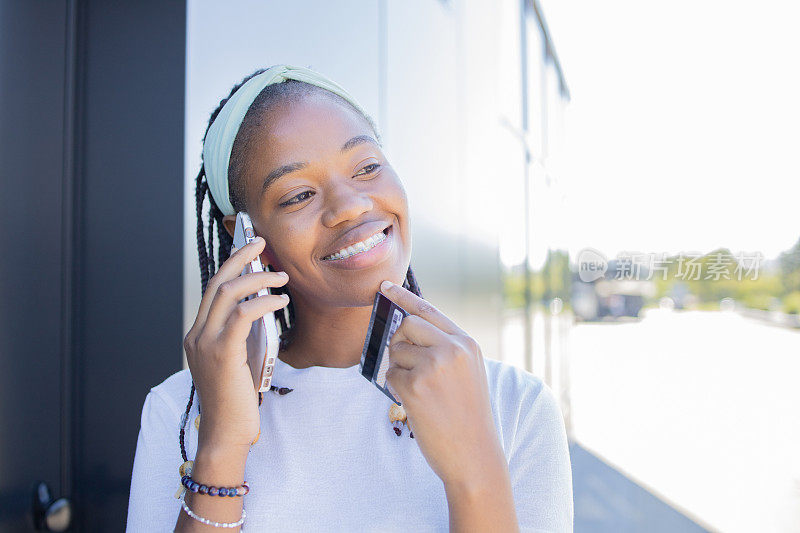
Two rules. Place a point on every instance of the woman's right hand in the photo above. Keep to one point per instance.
(217, 352)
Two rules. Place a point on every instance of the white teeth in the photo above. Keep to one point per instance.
(363, 246)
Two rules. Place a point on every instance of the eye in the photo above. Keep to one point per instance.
(297, 199)
(370, 169)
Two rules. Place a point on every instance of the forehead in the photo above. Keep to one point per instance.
(310, 129)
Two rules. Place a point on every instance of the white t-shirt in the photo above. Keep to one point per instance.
(328, 458)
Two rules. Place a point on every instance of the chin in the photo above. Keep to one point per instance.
(360, 292)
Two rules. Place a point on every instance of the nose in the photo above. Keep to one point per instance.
(344, 202)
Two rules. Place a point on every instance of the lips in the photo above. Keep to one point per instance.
(355, 235)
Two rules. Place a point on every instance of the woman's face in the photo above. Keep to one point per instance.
(316, 183)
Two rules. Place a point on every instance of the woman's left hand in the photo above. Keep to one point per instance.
(438, 372)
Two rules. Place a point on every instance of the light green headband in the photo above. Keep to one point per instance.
(219, 139)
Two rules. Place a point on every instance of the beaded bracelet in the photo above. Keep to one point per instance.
(194, 486)
(208, 522)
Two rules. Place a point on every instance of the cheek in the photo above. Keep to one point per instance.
(395, 201)
(290, 243)
(395, 198)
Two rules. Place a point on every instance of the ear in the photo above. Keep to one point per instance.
(229, 221)
(267, 256)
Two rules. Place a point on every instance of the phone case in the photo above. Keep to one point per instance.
(263, 341)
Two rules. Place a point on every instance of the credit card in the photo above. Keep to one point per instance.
(386, 318)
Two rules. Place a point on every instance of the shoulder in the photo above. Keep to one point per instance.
(532, 431)
(174, 384)
(172, 393)
(523, 405)
(510, 385)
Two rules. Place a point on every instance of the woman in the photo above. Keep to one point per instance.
(481, 445)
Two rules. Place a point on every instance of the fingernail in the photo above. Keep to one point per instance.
(284, 274)
(386, 285)
(285, 296)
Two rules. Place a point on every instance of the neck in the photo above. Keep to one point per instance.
(326, 336)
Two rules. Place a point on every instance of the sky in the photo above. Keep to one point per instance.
(683, 130)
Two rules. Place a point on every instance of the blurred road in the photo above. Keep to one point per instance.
(702, 409)
(606, 501)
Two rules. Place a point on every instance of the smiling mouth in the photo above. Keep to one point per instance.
(363, 246)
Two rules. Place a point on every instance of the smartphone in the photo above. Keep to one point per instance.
(386, 318)
(263, 342)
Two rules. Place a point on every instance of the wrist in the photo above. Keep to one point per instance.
(222, 452)
(220, 466)
(482, 503)
(217, 467)
(217, 444)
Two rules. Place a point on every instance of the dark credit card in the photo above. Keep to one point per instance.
(386, 318)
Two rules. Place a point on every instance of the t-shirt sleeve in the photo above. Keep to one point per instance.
(152, 505)
(539, 464)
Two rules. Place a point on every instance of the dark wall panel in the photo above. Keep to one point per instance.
(130, 236)
(32, 66)
(91, 152)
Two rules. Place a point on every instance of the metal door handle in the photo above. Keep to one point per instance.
(50, 514)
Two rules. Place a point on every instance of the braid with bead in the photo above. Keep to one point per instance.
(270, 95)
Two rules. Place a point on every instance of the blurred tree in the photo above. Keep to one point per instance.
(790, 268)
(556, 276)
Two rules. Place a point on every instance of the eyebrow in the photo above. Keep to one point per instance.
(282, 170)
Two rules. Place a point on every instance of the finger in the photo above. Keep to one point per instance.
(418, 306)
(407, 355)
(230, 293)
(230, 269)
(244, 314)
(398, 379)
(417, 330)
